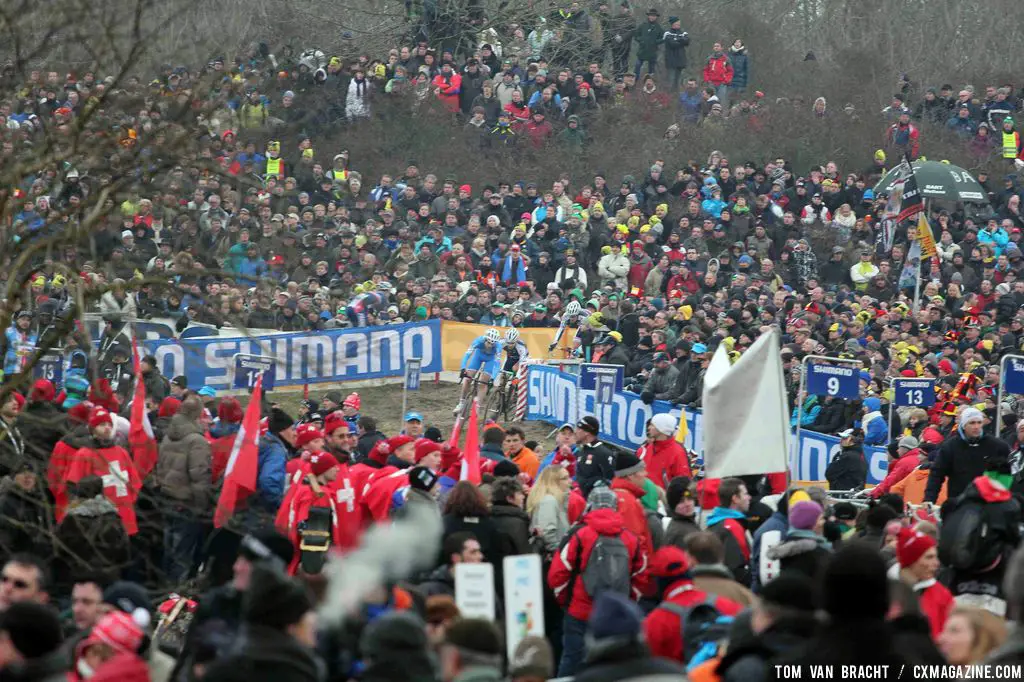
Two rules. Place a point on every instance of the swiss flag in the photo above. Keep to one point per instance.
(471, 453)
(140, 432)
(240, 475)
(121, 482)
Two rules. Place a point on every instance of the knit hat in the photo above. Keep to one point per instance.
(396, 633)
(321, 462)
(602, 497)
(118, 631)
(627, 464)
(42, 391)
(614, 617)
(911, 546)
(168, 407)
(908, 442)
(590, 425)
(100, 393)
(665, 423)
(506, 468)
(422, 478)
(532, 658)
(855, 584)
(333, 422)
(279, 421)
(34, 629)
(229, 411)
(306, 434)
(333, 396)
(99, 417)
(873, 404)
(274, 600)
(790, 590)
(130, 598)
(678, 488)
(669, 562)
(80, 413)
(19, 399)
(425, 447)
(352, 401)
(970, 414)
(804, 515)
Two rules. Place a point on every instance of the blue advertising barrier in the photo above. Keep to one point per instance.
(551, 397)
(304, 357)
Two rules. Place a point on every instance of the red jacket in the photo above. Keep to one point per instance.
(718, 70)
(449, 89)
(339, 496)
(121, 482)
(122, 668)
(662, 627)
(377, 497)
(898, 470)
(539, 133)
(936, 603)
(577, 551)
(633, 513)
(220, 453)
(664, 460)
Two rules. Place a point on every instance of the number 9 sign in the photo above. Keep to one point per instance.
(837, 381)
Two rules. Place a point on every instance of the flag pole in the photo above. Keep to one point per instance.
(917, 278)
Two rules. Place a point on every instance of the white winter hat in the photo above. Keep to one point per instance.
(665, 423)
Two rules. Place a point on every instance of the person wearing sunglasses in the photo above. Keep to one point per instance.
(25, 578)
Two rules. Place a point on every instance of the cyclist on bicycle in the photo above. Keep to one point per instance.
(360, 307)
(515, 351)
(569, 317)
(482, 360)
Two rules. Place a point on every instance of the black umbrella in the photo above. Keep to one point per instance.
(937, 180)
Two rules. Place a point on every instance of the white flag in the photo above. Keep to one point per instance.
(746, 415)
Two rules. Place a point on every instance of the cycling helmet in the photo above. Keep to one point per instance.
(511, 336)
(572, 309)
(492, 335)
(384, 286)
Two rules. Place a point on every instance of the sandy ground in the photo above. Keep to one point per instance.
(434, 401)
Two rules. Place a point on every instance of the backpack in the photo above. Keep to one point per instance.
(702, 627)
(976, 532)
(608, 567)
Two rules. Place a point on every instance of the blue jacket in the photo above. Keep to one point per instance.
(776, 521)
(810, 413)
(691, 103)
(876, 431)
(17, 341)
(997, 240)
(492, 452)
(270, 478)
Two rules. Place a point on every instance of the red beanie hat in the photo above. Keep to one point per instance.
(100, 393)
(425, 447)
(119, 631)
(669, 562)
(42, 391)
(20, 399)
(396, 442)
(334, 421)
(168, 407)
(911, 546)
(100, 416)
(230, 411)
(380, 451)
(306, 434)
(352, 401)
(80, 413)
(321, 462)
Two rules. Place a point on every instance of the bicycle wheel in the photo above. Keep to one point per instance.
(509, 396)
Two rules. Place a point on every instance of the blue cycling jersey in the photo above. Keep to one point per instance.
(478, 356)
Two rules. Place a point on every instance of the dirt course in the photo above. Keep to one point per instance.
(434, 401)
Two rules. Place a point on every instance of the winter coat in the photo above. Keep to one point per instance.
(802, 551)
(648, 37)
(596, 462)
(846, 641)
(265, 654)
(675, 41)
(440, 581)
(661, 383)
(773, 529)
(913, 486)
(123, 668)
(716, 579)
(629, 660)
(512, 534)
(680, 528)
(936, 603)
(664, 460)
(482, 528)
(848, 470)
(730, 527)
(551, 520)
(740, 67)
(750, 661)
(273, 456)
(42, 425)
(183, 467)
(898, 470)
(718, 70)
(613, 268)
(959, 462)
(91, 537)
(572, 559)
(632, 512)
(662, 628)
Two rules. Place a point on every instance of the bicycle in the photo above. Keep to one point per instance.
(474, 388)
(501, 402)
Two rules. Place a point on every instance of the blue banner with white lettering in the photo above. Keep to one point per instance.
(304, 357)
(552, 395)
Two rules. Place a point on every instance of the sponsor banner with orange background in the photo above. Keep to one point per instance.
(456, 337)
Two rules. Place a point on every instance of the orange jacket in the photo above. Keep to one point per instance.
(528, 462)
(912, 487)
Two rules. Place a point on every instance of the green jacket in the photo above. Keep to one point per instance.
(648, 37)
